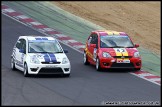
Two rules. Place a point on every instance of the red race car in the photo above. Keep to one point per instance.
(111, 49)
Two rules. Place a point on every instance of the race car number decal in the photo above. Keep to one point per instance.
(120, 50)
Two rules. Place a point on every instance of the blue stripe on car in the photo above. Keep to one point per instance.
(38, 38)
(53, 58)
(46, 57)
(44, 38)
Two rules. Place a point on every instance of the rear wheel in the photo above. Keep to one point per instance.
(85, 60)
(26, 74)
(13, 64)
(98, 68)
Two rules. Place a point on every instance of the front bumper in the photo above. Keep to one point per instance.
(112, 63)
(49, 68)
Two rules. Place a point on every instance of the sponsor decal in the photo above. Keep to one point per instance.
(19, 63)
(112, 33)
(44, 38)
(95, 54)
(22, 58)
(38, 38)
(88, 53)
(40, 56)
(41, 38)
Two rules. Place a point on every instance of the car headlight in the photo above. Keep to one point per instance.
(136, 54)
(106, 55)
(34, 59)
(65, 61)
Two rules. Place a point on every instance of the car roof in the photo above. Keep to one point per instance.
(33, 37)
(109, 33)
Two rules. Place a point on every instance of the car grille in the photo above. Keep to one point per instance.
(50, 62)
(122, 65)
(122, 56)
(51, 71)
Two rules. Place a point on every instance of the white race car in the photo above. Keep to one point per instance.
(39, 55)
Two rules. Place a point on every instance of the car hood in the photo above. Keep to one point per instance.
(120, 51)
(49, 57)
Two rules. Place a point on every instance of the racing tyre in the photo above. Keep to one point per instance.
(66, 75)
(26, 74)
(137, 69)
(13, 64)
(98, 68)
(85, 60)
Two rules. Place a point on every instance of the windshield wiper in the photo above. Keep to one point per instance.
(58, 52)
(51, 52)
(123, 47)
(118, 47)
(110, 47)
(129, 47)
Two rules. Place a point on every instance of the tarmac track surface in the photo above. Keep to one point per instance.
(85, 86)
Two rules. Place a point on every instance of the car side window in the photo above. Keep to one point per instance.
(94, 39)
(23, 45)
(18, 44)
(89, 40)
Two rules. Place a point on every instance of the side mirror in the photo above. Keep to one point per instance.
(21, 50)
(18, 42)
(93, 45)
(136, 45)
(65, 51)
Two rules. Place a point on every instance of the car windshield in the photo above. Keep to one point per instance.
(44, 46)
(115, 42)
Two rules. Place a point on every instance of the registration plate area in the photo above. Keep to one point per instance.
(51, 66)
(123, 61)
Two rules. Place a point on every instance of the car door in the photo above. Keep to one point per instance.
(19, 55)
(92, 47)
(23, 54)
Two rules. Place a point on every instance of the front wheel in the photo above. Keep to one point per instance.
(85, 59)
(98, 67)
(26, 74)
(13, 64)
(66, 75)
(137, 69)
